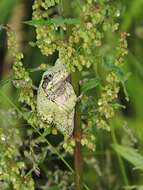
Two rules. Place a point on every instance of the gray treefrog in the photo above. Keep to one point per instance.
(56, 99)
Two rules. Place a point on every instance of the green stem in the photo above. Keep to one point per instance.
(77, 120)
(77, 135)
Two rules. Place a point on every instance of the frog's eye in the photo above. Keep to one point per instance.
(50, 76)
(46, 80)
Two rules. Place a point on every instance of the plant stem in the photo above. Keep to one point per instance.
(77, 135)
(77, 120)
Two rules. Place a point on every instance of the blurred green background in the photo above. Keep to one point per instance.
(110, 171)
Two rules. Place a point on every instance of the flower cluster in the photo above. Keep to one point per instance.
(110, 92)
(12, 169)
(108, 95)
(46, 35)
(78, 49)
(69, 145)
(88, 141)
(87, 37)
(21, 76)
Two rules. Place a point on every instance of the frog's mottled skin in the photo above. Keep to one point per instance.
(56, 99)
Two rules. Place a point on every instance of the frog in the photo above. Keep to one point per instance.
(56, 99)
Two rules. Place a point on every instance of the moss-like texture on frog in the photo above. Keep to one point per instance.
(56, 99)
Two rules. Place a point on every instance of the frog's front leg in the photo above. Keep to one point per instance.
(71, 103)
(78, 99)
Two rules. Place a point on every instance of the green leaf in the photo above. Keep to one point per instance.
(133, 187)
(56, 21)
(125, 91)
(92, 83)
(130, 154)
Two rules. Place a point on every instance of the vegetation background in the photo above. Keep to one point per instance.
(111, 167)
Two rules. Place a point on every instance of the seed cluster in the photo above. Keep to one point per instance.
(77, 50)
(21, 76)
(12, 169)
(110, 92)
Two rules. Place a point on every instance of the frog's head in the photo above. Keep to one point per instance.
(54, 76)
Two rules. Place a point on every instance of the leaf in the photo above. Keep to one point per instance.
(130, 154)
(125, 91)
(133, 187)
(56, 21)
(92, 83)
